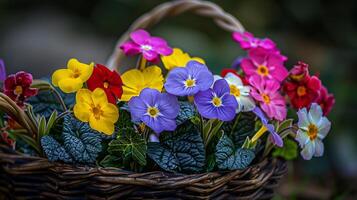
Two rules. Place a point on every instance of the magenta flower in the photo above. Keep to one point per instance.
(264, 63)
(248, 41)
(150, 47)
(266, 92)
(157, 110)
(217, 102)
(18, 87)
(189, 80)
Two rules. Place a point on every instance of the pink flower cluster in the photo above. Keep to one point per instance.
(264, 69)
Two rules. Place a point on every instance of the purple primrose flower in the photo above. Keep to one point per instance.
(217, 102)
(274, 137)
(157, 110)
(189, 80)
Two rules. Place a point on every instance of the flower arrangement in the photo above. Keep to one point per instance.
(171, 112)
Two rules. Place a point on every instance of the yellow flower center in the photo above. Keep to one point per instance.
(216, 101)
(266, 98)
(263, 70)
(190, 83)
(312, 131)
(301, 91)
(76, 73)
(97, 111)
(234, 90)
(105, 85)
(153, 111)
(18, 90)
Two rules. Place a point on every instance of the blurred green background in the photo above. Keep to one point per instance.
(39, 36)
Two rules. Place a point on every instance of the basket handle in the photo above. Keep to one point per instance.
(203, 8)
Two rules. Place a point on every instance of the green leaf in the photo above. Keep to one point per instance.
(42, 126)
(130, 147)
(28, 140)
(165, 158)
(230, 158)
(243, 127)
(111, 161)
(211, 162)
(80, 141)
(187, 111)
(51, 121)
(284, 125)
(289, 151)
(181, 151)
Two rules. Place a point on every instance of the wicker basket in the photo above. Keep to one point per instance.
(26, 177)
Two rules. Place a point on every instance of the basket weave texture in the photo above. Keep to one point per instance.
(27, 177)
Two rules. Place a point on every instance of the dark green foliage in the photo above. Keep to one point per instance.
(111, 161)
(242, 127)
(124, 120)
(181, 151)
(187, 111)
(82, 142)
(45, 102)
(130, 147)
(165, 158)
(54, 151)
(289, 151)
(228, 157)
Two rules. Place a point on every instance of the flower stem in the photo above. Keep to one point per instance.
(257, 135)
(141, 65)
(59, 98)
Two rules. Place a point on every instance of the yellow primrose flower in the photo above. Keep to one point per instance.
(71, 79)
(178, 59)
(93, 107)
(136, 80)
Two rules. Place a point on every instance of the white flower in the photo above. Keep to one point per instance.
(239, 91)
(313, 127)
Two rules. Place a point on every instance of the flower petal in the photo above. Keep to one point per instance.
(82, 111)
(303, 119)
(308, 151)
(110, 112)
(85, 70)
(70, 85)
(233, 79)
(140, 36)
(99, 97)
(153, 77)
(133, 78)
(315, 113)
(226, 113)
(302, 137)
(324, 127)
(60, 74)
(130, 48)
(168, 105)
(150, 96)
(102, 125)
(221, 87)
(137, 108)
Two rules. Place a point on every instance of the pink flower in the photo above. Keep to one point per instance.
(150, 47)
(248, 41)
(266, 92)
(264, 63)
(18, 87)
